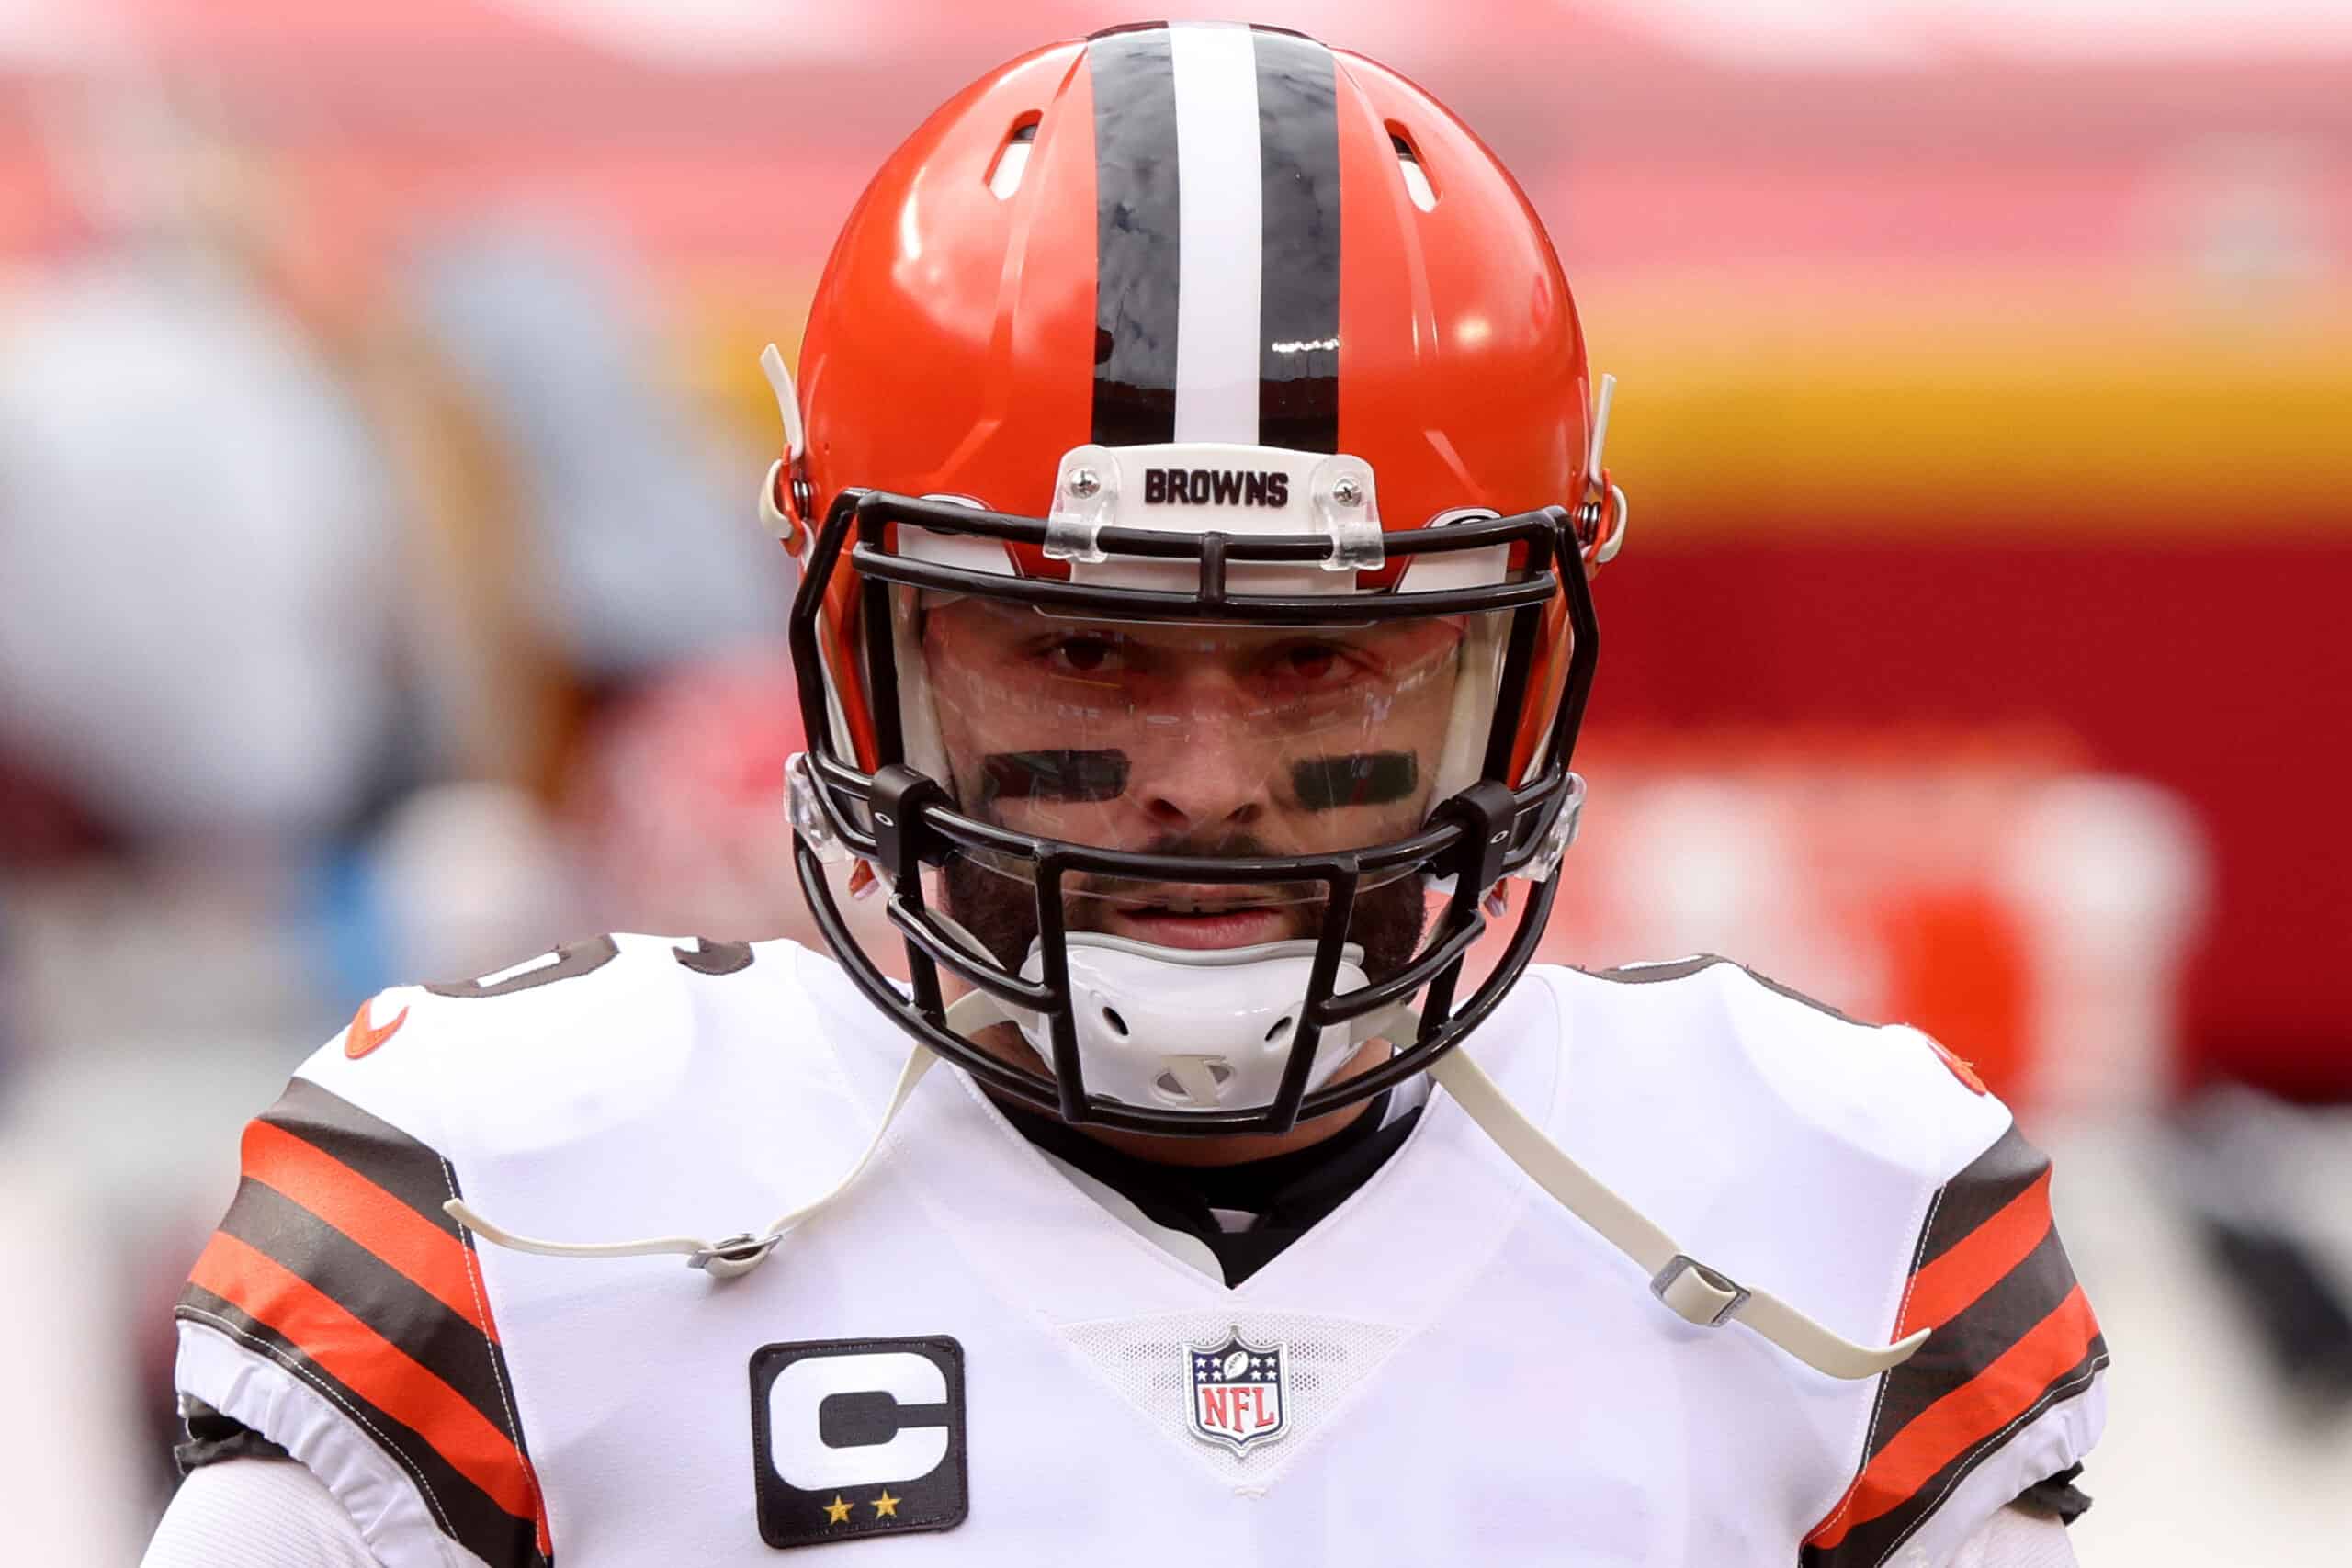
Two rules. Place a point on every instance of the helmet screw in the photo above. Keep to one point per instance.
(1084, 483)
(1347, 493)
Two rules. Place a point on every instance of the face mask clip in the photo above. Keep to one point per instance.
(1489, 815)
(1086, 501)
(1346, 511)
(898, 799)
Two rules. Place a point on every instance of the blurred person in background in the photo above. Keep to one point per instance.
(195, 695)
(187, 468)
(293, 661)
(1151, 1219)
(304, 511)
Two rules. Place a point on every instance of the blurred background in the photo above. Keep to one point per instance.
(381, 596)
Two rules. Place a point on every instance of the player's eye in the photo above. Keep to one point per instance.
(1083, 655)
(1311, 664)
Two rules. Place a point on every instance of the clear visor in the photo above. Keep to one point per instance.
(1218, 741)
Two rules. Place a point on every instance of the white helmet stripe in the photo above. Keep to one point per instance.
(1220, 253)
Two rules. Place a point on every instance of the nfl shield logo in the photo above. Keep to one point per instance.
(1237, 1392)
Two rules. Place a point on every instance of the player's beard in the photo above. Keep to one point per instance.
(1001, 911)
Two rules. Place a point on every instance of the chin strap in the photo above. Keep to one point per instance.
(724, 1259)
(1697, 1293)
(976, 1010)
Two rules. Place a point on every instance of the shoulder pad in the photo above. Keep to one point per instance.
(557, 1046)
(341, 1313)
(1864, 1171)
(2007, 1390)
(1886, 1091)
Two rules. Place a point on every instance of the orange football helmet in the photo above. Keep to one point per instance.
(1199, 337)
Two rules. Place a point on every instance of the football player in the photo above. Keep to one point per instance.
(1196, 482)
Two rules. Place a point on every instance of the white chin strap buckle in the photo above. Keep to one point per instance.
(1191, 1029)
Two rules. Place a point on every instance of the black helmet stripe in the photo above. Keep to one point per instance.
(1217, 237)
(1135, 236)
(1298, 132)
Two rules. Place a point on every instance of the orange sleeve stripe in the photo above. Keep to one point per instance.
(428, 1256)
(372, 1366)
(1983, 1258)
(2005, 1389)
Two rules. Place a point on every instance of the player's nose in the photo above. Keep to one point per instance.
(1215, 775)
(1212, 786)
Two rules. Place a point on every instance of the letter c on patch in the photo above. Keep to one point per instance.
(802, 1455)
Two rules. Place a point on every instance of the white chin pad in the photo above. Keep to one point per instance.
(1191, 1029)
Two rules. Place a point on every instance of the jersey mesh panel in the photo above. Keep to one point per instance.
(1326, 1363)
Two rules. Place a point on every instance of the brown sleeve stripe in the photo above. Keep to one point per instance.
(2011, 1333)
(466, 1513)
(1965, 1270)
(1907, 1478)
(432, 1258)
(1964, 1346)
(1992, 1181)
(376, 1293)
(378, 1151)
(382, 1374)
(337, 1253)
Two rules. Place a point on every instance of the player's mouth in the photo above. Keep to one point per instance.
(1210, 918)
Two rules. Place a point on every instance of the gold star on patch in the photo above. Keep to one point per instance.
(837, 1511)
(886, 1506)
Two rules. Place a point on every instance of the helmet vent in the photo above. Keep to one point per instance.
(1012, 159)
(1408, 165)
(1118, 1025)
(1278, 1031)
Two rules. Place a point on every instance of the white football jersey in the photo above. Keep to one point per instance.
(969, 1359)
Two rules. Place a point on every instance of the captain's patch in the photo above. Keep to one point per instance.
(855, 1438)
